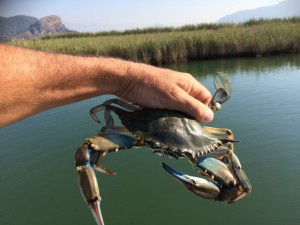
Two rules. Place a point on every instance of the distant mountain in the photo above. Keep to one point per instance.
(289, 8)
(12, 26)
(27, 27)
(44, 26)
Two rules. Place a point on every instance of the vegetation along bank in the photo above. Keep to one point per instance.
(171, 45)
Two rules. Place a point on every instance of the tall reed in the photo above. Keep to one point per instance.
(171, 45)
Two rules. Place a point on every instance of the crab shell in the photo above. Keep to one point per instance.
(173, 133)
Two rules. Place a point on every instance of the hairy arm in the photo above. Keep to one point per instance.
(32, 82)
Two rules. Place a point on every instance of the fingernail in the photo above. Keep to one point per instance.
(208, 116)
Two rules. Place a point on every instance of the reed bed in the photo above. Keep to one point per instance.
(171, 45)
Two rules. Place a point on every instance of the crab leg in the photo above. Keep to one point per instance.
(88, 182)
(107, 104)
(90, 191)
(239, 185)
(245, 185)
(85, 166)
(221, 131)
(215, 130)
(87, 160)
(223, 91)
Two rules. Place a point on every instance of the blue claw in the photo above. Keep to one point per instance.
(197, 185)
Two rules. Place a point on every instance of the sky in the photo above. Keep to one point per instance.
(96, 15)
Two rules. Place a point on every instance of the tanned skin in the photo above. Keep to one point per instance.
(33, 81)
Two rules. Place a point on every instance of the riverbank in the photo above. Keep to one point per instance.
(171, 45)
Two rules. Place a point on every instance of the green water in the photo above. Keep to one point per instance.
(39, 181)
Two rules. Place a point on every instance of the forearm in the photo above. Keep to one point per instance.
(32, 81)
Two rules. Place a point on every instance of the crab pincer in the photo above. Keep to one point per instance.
(225, 182)
(199, 186)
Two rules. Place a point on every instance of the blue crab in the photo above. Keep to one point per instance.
(168, 134)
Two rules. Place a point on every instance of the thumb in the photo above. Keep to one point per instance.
(195, 108)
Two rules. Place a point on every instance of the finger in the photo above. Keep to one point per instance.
(196, 90)
(192, 106)
(201, 93)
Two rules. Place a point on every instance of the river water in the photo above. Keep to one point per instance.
(39, 180)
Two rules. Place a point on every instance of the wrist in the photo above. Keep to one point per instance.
(113, 75)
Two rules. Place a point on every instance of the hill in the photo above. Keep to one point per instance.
(12, 26)
(45, 26)
(27, 27)
(286, 9)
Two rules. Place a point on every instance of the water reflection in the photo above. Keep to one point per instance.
(233, 66)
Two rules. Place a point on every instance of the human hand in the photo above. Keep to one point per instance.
(153, 87)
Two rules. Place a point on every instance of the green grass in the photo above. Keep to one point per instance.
(171, 45)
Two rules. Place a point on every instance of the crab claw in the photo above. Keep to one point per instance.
(90, 191)
(199, 186)
(218, 170)
(88, 182)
